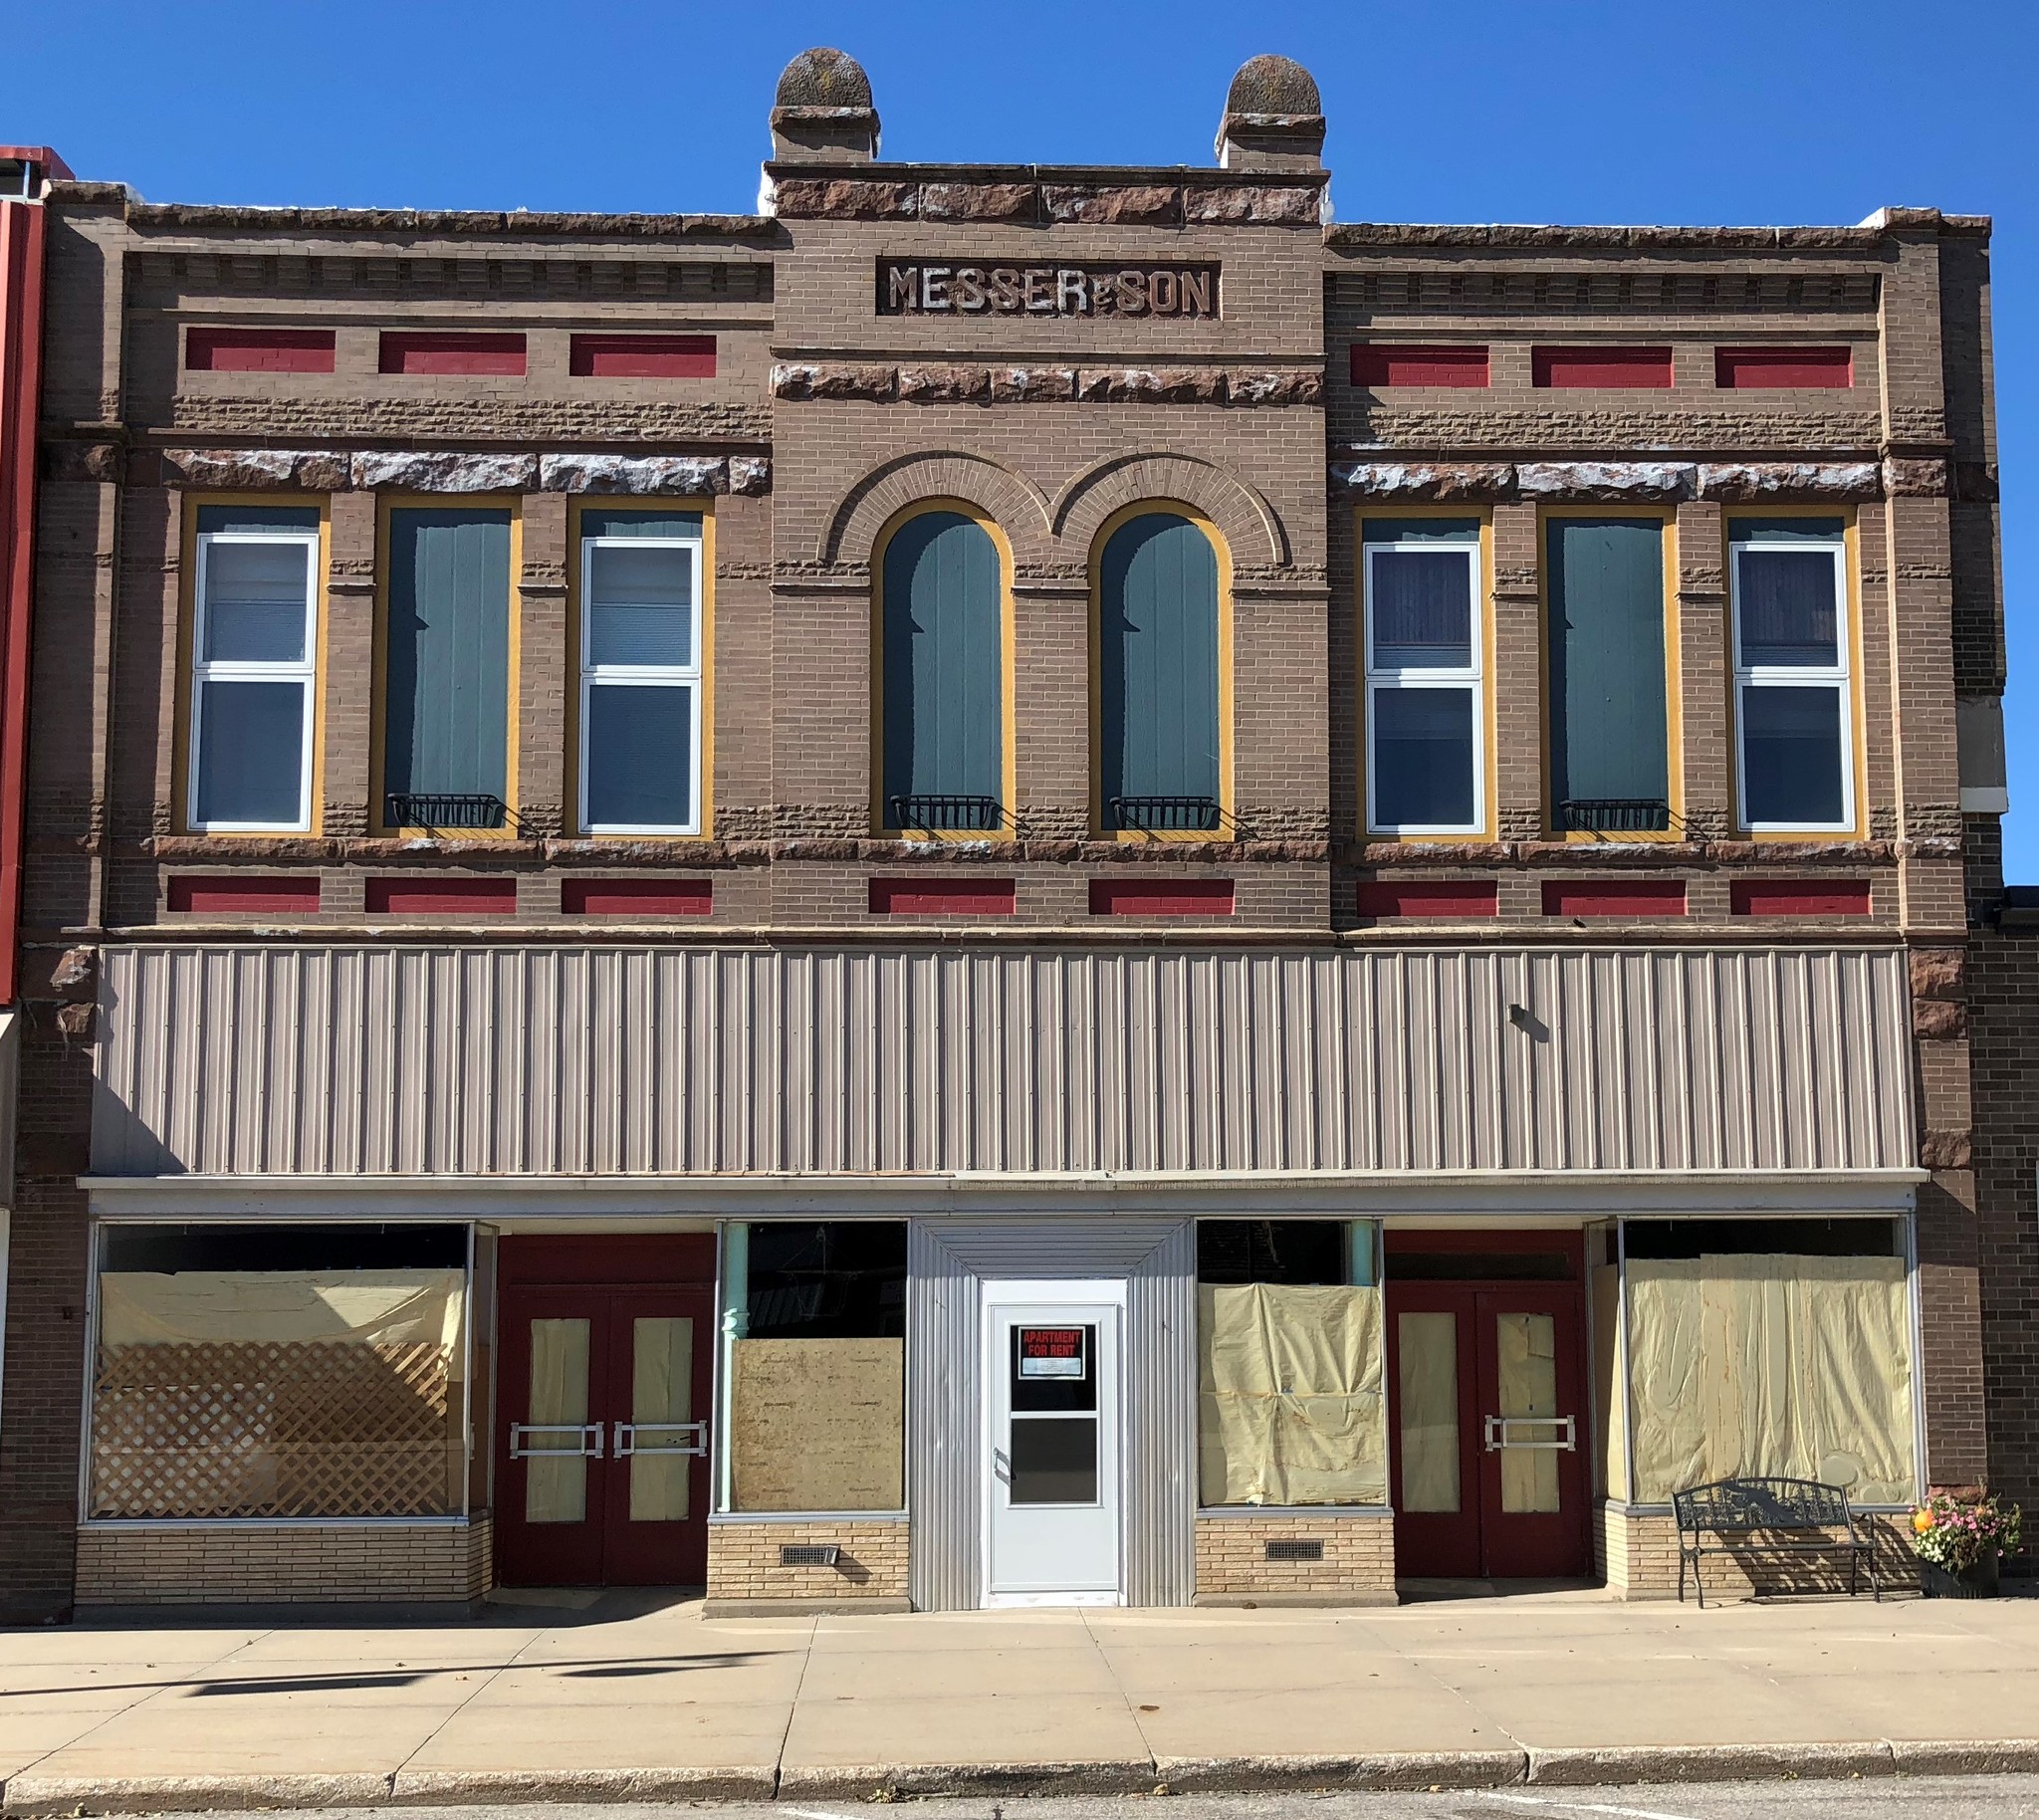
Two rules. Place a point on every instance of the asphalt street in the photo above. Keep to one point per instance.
(1945, 1798)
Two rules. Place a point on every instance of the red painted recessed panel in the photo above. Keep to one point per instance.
(643, 356)
(1613, 368)
(944, 897)
(637, 896)
(234, 894)
(408, 351)
(430, 896)
(1429, 897)
(1753, 369)
(1798, 896)
(1614, 897)
(1161, 897)
(259, 350)
(1384, 364)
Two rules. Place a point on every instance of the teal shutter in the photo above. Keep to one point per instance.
(1158, 681)
(446, 726)
(1609, 735)
(943, 661)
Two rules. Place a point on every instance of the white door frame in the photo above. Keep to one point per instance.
(1070, 1293)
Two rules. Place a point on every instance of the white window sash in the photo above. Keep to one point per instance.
(614, 675)
(1467, 677)
(304, 672)
(1835, 676)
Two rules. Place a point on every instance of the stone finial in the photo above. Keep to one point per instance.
(823, 110)
(1273, 118)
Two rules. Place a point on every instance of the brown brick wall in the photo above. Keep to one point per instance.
(284, 1564)
(744, 1567)
(1358, 1567)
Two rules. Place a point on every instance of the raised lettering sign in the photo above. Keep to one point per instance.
(926, 287)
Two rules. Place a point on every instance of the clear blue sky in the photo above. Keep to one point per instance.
(1581, 110)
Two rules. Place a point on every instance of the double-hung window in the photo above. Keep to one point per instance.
(1794, 751)
(1425, 706)
(254, 666)
(640, 672)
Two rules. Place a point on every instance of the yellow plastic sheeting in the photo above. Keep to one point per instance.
(1525, 1355)
(1426, 1376)
(662, 1397)
(1765, 1363)
(1292, 1410)
(361, 1307)
(556, 1485)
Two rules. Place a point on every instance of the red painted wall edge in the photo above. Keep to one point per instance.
(21, 345)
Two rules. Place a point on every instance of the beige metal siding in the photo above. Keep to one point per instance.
(347, 1061)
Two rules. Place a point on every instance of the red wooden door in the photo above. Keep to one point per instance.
(603, 1452)
(1489, 1433)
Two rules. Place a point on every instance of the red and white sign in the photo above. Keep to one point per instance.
(1054, 1352)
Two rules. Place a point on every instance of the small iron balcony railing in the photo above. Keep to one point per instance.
(935, 815)
(439, 811)
(1614, 816)
(1166, 814)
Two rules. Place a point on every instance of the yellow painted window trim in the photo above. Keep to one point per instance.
(388, 504)
(1227, 754)
(650, 507)
(1008, 697)
(181, 756)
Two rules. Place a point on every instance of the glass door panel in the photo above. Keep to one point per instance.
(1428, 1379)
(661, 1411)
(1525, 1356)
(556, 1439)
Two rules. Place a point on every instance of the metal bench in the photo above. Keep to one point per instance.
(1793, 1507)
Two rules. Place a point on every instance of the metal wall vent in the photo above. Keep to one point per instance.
(1295, 1548)
(815, 1554)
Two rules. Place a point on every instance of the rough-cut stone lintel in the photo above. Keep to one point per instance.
(323, 470)
(1028, 193)
(875, 385)
(1732, 481)
(1366, 235)
(519, 224)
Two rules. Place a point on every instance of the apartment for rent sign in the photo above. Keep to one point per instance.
(921, 288)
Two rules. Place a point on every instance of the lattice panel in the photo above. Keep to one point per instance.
(273, 1429)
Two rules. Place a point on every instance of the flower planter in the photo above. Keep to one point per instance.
(1978, 1581)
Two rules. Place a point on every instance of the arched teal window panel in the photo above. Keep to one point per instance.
(944, 674)
(1158, 680)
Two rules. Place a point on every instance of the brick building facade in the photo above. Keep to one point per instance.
(1011, 884)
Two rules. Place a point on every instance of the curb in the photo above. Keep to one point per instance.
(34, 1797)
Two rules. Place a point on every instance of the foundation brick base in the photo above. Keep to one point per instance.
(1638, 1553)
(745, 1575)
(232, 1564)
(1358, 1567)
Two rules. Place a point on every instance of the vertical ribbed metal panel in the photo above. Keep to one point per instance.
(828, 1059)
(947, 1262)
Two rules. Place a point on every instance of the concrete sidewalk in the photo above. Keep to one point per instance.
(642, 1699)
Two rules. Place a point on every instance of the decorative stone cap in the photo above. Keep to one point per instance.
(823, 110)
(1274, 115)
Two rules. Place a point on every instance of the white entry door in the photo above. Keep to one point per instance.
(1053, 1497)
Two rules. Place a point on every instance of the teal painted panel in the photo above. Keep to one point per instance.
(1419, 530)
(447, 712)
(1609, 735)
(258, 518)
(1158, 678)
(943, 661)
(612, 522)
(1788, 530)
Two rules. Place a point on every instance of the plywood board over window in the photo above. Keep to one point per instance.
(819, 1425)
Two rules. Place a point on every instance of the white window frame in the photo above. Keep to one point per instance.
(1470, 676)
(304, 672)
(594, 675)
(1836, 675)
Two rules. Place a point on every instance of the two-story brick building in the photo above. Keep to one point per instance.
(1014, 884)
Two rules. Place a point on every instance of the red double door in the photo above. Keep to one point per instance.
(1489, 1430)
(602, 1409)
